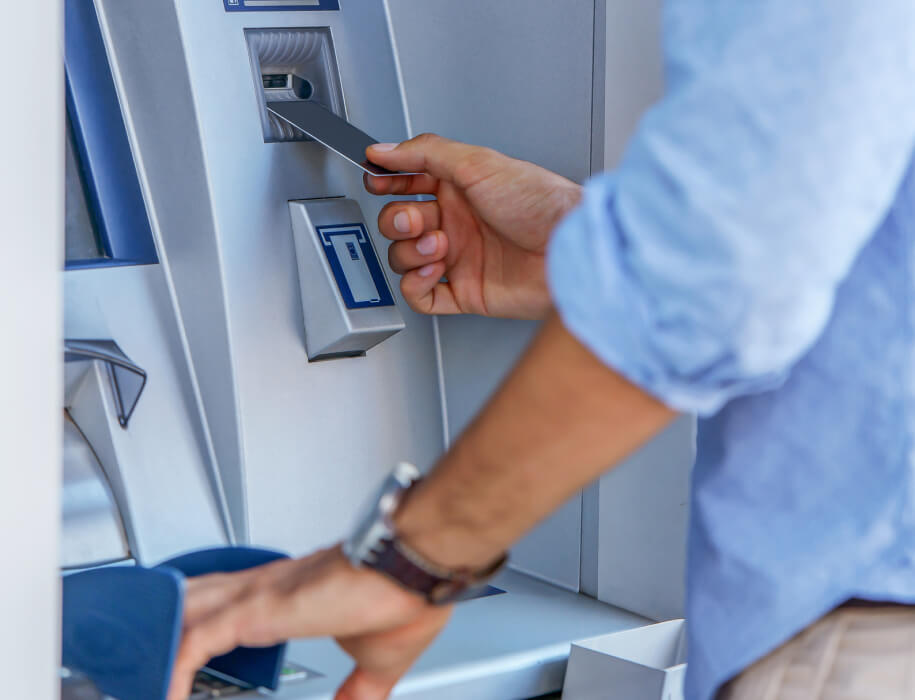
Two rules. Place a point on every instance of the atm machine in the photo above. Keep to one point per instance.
(240, 370)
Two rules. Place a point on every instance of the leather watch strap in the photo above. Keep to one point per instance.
(396, 560)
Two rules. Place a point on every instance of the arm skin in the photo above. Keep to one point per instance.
(559, 420)
(555, 425)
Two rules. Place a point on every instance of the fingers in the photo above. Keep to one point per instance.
(418, 253)
(366, 686)
(246, 617)
(400, 220)
(429, 248)
(382, 658)
(428, 153)
(400, 184)
(218, 635)
(205, 595)
(218, 612)
(425, 293)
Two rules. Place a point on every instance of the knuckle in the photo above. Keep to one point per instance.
(195, 647)
(398, 184)
(260, 604)
(260, 616)
(257, 587)
(393, 259)
(386, 214)
(475, 165)
(377, 185)
(417, 303)
(427, 139)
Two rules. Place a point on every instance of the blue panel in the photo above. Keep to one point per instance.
(484, 592)
(354, 259)
(256, 667)
(112, 185)
(121, 626)
(291, 6)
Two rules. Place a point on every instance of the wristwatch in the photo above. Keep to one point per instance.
(376, 545)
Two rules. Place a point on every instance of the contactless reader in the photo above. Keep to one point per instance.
(346, 299)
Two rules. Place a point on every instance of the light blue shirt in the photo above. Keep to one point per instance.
(752, 260)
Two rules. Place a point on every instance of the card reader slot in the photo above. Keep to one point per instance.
(293, 65)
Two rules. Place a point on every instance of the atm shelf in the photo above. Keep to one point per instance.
(207, 686)
(514, 645)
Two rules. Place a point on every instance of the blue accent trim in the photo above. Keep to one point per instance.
(241, 6)
(90, 263)
(325, 233)
(121, 627)
(256, 667)
(113, 190)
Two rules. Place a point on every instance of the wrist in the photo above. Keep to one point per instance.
(376, 585)
(381, 601)
(377, 543)
(447, 529)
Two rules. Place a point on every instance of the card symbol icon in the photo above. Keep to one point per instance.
(354, 265)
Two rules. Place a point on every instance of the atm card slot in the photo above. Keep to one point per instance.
(330, 131)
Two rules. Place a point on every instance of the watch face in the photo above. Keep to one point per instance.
(374, 522)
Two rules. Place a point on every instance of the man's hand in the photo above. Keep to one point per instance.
(381, 625)
(486, 231)
(560, 419)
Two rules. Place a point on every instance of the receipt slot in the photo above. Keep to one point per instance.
(347, 302)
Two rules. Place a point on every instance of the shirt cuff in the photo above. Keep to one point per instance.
(613, 313)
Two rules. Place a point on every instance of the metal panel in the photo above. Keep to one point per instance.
(634, 529)
(149, 69)
(92, 531)
(298, 444)
(516, 76)
(503, 646)
(629, 50)
(512, 74)
(634, 519)
(158, 465)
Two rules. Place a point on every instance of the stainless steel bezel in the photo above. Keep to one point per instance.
(376, 523)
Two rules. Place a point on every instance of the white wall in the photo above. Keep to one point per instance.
(31, 233)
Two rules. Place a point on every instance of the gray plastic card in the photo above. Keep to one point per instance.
(330, 131)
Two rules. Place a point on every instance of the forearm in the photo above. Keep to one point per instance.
(559, 420)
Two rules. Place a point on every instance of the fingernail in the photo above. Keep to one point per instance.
(382, 147)
(426, 270)
(427, 244)
(402, 222)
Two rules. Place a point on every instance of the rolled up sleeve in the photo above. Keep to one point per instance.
(707, 264)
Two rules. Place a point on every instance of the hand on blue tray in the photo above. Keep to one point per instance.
(381, 625)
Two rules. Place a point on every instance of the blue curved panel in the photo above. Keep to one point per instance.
(256, 667)
(121, 627)
(113, 192)
(122, 624)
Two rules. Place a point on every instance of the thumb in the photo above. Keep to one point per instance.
(427, 153)
(365, 685)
